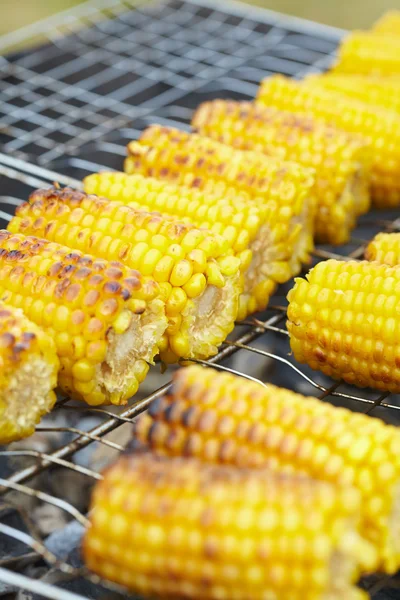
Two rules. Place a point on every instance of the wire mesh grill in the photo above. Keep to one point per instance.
(68, 108)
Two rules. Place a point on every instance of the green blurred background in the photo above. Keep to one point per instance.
(348, 14)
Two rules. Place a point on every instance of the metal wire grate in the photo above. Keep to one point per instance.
(68, 108)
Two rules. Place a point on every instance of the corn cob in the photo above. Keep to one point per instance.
(282, 191)
(341, 160)
(200, 283)
(343, 320)
(28, 374)
(375, 91)
(220, 418)
(380, 127)
(253, 232)
(105, 319)
(245, 228)
(388, 23)
(384, 249)
(369, 53)
(178, 528)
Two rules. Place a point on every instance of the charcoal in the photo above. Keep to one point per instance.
(64, 541)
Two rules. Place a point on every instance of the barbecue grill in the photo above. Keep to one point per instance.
(97, 76)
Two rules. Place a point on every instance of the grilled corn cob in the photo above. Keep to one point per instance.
(178, 528)
(245, 227)
(218, 417)
(200, 283)
(105, 319)
(28, 374)
(282, 191)
(253, 232)
(369, 53)
(380, 127)
(341, 160)
(343, 320)
(384, 249)
(389, 23)
(376, 91)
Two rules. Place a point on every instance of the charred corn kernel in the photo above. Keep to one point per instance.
(243, 224)
(388, 23)
(374, 90)
(104, 289)
(28, 374)
(384, 249)
(218, 417)
(178, 528)
(341, 160)
(282, 191)
(163, 253)
(369, 53)
(343, 320)
(381, 128)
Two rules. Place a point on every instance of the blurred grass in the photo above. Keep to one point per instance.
(348, 14)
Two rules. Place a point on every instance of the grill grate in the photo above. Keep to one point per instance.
(68, 108)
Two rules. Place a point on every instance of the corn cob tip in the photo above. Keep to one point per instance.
(28, 374)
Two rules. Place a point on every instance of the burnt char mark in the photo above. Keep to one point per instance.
(113, 287)
(7, 340)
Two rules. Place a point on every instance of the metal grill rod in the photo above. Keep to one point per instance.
(36, 587)
(66, 506)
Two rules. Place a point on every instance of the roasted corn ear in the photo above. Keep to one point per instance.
(220, 418)
(253, 232)
(178, 528)
(28, 374)
(384, 249)
(380, 127)
(341, 160)
(376, 91)
(343, 320)
(282, 191)
(369, 53)
(199, 281)
(388, 23)
(105, 319)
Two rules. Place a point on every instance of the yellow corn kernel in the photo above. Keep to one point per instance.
(381, 128)
(196, 285)
(384, 249)
(178, 528)
(218, 417)
(341, 160)
(28, 374)
(122, 322)
(91, 286)
(181, 273)
(163, 250)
